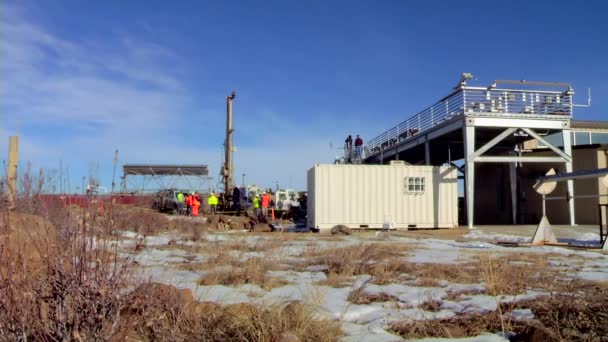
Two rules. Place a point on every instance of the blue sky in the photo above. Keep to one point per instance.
(80, 79)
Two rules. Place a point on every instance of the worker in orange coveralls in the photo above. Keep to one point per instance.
(189, 199)
(195, 205)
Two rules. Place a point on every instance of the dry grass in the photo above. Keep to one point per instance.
(177, 318)
(359, 296)
(251, 271)
(577, 314)
(431, 305)
(368, 258)
(336, 280)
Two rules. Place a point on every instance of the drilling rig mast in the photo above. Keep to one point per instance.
(228, 167)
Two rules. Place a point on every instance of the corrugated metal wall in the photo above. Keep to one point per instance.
(372, 195)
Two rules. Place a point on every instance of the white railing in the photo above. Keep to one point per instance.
(470, 101)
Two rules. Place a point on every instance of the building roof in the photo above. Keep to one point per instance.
(165, 170)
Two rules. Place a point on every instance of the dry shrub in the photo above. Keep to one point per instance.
(352, 260)
(431, 305)
(359, 296)
(140, 220)
(73, 291)
(169, 315)
(455, 327)
(236, 272)
(515, 273)
(431, 274)
(336, 280)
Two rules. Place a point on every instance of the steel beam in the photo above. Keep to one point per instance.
(517, 122)
(514, 159)
(493, 142)
(469, 149)
(440, 131)
(584, 174)
(566, 157)
(566, 136)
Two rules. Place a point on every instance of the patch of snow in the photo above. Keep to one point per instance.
(464, 288)
(357, 332)
(592, 274)
(481, 235)
(160, 240)
(410, 295)
(298, 277)
(443, 256)
(156, 257)
(317, 268)
(483, 302)
(128, 234)
(520, 314)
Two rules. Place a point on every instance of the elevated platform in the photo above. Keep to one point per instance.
(484, 125)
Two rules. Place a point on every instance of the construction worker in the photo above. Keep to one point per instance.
(195, 205)
(189, 199)
(348, 148)
(358, 147)
(180, 202)
(236, 199)
(256, 205)
(265, 204)
(212, 201)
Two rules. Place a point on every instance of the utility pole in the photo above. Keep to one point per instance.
(11, 173)
(60, 176)
(114, 172)
(228, 166)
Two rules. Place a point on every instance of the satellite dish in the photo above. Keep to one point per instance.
(605, 180)
(545, 188)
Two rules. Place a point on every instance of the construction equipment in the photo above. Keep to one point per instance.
(228, 167)
(280, 197)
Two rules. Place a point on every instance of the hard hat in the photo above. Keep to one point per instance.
(212, 193)
(264, 193)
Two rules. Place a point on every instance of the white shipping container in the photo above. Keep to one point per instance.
(382, 196)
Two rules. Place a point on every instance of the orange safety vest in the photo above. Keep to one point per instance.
(265, 201)
(189, 200)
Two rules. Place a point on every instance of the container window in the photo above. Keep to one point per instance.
(414, 185)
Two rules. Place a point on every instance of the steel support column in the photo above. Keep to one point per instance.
(566, 135)
(469, 150)
(427, 153)
(513, 184)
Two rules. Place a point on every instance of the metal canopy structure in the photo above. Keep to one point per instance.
(165, 170)
(187, 177)
(484, 125)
